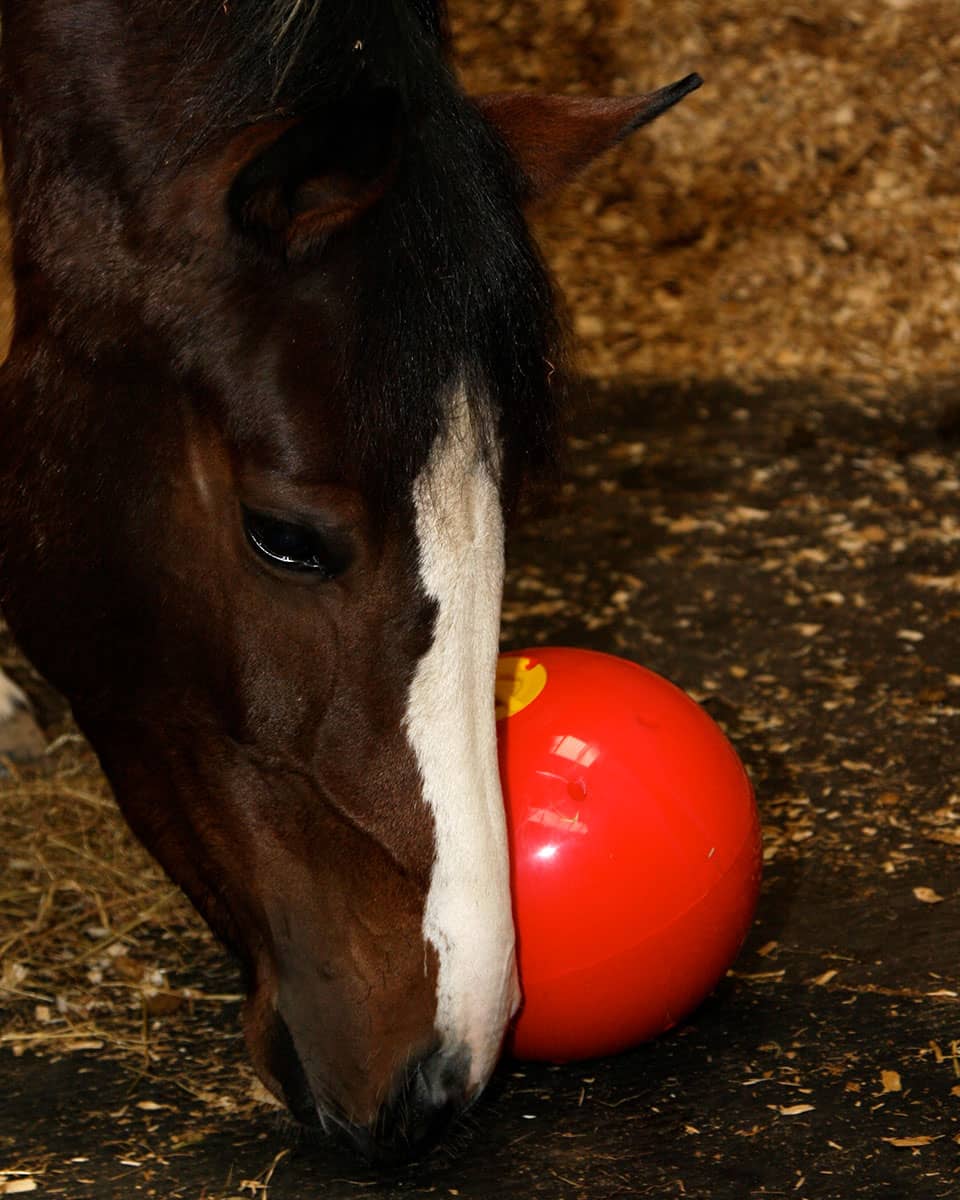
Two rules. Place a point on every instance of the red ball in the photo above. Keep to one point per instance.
(635, 850)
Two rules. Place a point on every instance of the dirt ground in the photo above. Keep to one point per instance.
(762, 503)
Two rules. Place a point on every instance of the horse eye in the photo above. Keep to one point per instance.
(293, 546)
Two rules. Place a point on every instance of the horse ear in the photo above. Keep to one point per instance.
(316, 175)
(554, 137)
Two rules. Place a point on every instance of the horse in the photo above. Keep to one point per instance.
(284, 355)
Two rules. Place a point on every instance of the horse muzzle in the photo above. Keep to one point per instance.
(426, 1095)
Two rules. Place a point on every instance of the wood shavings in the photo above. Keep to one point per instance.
(808, 230)
(927, 895)
(948, 837)
(939, 583)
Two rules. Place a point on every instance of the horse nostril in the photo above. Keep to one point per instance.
(430, 1095)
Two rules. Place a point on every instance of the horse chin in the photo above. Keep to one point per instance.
(287, 1075)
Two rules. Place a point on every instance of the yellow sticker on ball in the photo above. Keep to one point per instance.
(519, 682)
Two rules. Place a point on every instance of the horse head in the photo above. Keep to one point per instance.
(282, 356)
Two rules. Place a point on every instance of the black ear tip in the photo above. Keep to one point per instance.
(658, 102)
(683, 87)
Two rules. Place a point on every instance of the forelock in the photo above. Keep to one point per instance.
(448, 287)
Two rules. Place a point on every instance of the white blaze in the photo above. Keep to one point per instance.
(450, 723)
